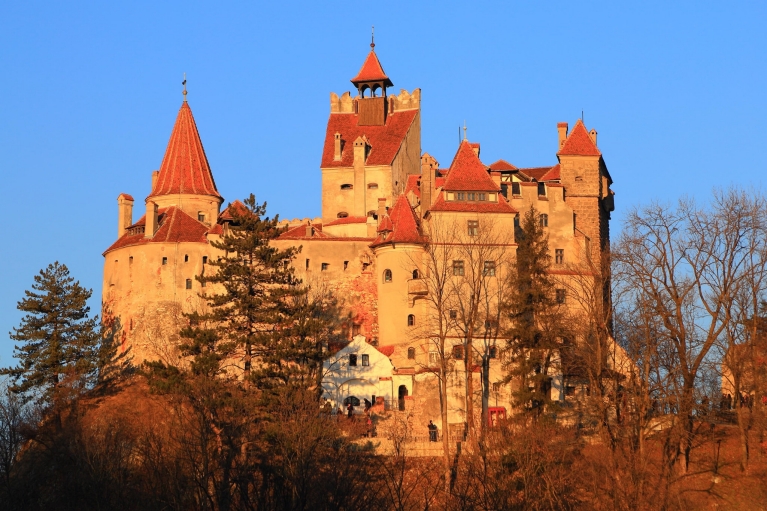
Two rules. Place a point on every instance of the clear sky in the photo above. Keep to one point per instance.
(89, 92)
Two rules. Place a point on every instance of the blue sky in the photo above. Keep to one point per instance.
(89, 92)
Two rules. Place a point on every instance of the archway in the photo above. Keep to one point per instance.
(401, 397)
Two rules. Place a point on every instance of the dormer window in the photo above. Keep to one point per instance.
(460, 196)
(372, 186)
(347, 186)
(470, 196)
(480, 196)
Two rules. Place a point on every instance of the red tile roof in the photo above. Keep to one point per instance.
(413, 185)
(125, 196)
(579, 143)
(371, 71)
(552, 174)
(439, 182)
(386, 350)
(536, 173)
(299, 233)
(384, 141)
(185, 167)
(502, 206)
(502, 165)
(404, 225)
(348, 220)
(467, 173)
(385, 224)
(235, 208)
(175, 227)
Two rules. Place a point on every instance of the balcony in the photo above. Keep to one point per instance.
(417, 287)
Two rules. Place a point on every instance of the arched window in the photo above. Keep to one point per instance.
(387, 276)
(347, 186)
(544, 220)
(342, 214)
(411, 320)
(372, 186)
(416, 274)
(411, 353)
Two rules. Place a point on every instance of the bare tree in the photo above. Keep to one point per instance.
(685, 263)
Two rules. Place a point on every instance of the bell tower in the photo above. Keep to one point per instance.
(372, 105)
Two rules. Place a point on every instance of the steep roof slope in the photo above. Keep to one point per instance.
(579, 143)
(467, 173)
(185, 167)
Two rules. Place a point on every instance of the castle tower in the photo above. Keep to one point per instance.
(149, 272)
(372, 143)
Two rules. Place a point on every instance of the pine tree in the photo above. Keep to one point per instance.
(61, 351)
(537, 325)
(264, 314)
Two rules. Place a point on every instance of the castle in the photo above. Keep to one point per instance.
(392, 219)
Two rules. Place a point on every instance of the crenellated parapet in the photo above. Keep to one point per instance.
(345, 104)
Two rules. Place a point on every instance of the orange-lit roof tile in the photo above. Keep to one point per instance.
(502, 206)
(185, 167)
(404, 225)
(502, 165)
(579, 143)
(371, 71)
(467, 173)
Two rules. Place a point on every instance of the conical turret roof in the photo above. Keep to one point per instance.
(372, 71)
(185, 168)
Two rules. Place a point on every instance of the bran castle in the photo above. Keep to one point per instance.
(393, 223)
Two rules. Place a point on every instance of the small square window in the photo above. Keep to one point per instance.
(346, 265)
(189, 283)
(164, 261)
(353, 360)
(325, 266)
(186, 258)
(204, 259)
(493, 352)
(496, 386)
(544, 220)
(515, 189)
(489, 269)
(458, 268)
(480, 196)
(473, 227)
(559, 257)
(453, 314)
(365, 360)
(411, 353)
(460, 196)
(201, 217)
(470, 196)
(433, 359)
(560, 296)
(458, 352)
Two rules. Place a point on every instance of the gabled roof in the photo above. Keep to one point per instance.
(579, 143)
(185, 167)
(502, 206)
(536, 173)
(384, 141)
(404, 225)
(371, 71)
(413, 185)
(502, 165)
(175, 227)
(235, 208)
(552, 174)
(467, 173)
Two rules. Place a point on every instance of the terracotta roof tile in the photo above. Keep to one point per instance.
(413, 185)
(386, 350)
(371, 71)
(579, 143)
(552, 174)
(468, 173)
(125, 196)
(384, 141)
(404, 225)
(348, 220)
(502, 165)
(185, 167)
(502, 206)
(235, 208)
(385, 224)
(175, 227)
(536, 173)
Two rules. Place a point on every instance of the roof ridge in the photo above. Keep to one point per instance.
(579, 142)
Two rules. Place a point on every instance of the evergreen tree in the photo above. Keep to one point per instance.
(60, 350)
(537, 325)
(262, 313)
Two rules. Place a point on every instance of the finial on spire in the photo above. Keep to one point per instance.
(373, 37)
(464, 129)
(184, 84)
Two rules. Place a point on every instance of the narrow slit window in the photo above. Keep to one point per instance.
(347, 186)
(189, 283)
(365, 360)
(411, 353)
(353, 360)
(186, 258)
(387, 276)
(164, 261)
(544, 219)
(411, 320)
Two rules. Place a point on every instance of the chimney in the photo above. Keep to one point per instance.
(337, 150)
(593, 135)
(155, 174)
(309, 229)
(151, 219)
(475, 148)
(428, 168)
(124, 213)
(360, 148)
(562, 130)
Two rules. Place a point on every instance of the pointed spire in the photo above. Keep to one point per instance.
(185, 168)
(184, 84)
(371, 71)
(579, 143)
(467, 172)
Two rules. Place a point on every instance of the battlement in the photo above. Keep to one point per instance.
(405, 100)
